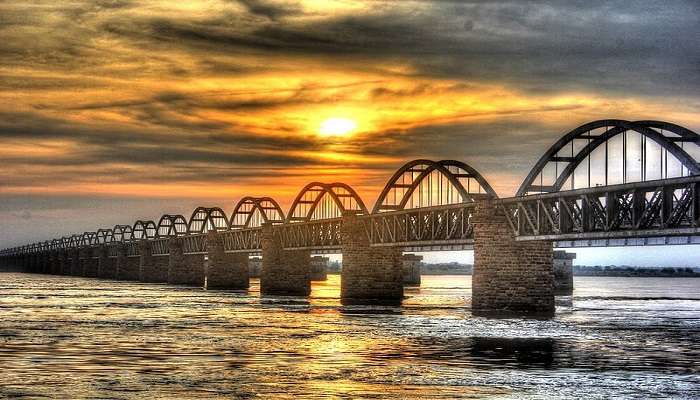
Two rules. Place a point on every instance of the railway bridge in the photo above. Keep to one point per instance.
(605, 183)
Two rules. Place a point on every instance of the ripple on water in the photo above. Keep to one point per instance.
(75, 338)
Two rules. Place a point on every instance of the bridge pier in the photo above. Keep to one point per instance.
(64, 265)
(152, 268)
(55, 263)
(89, 263)
(184, 269)
(411, 269)
(564, 273)
(509, 276)
(75, 268)
(106, 265)
(225, 270)
(284, 272)
(319, 268)
(370, 275)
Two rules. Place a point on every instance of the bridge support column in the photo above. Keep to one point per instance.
(225, 270)
(509, 276)
(126, 270)
(89, 263)
(63, 262)
(564, 273)
(151, 268)
(106, 265)
(45, 262)
(411, 269)
(284, 272)
(319, 268)
(184, 269)
(75, 268)
(370, 275)
(55, 263)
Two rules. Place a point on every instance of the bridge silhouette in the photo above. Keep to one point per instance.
(605, 183)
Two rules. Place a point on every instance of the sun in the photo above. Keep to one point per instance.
(337, 127)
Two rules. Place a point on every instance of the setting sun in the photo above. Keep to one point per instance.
(337, 127)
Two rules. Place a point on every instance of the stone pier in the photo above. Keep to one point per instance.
(411, 269)
(153, 269)
(75, 268)
(284, 272)
(254, 267)
(564, 272)
(106, 265)
(319, 268)
(370, 275)
(225, 270)
(63, 262)
(184, 269)
(509, 276)
(89, 262)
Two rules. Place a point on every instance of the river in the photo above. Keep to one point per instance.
(66, 337)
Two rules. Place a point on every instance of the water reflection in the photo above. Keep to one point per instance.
(75, 338)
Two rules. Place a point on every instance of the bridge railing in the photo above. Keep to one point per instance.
(433, 226)
(242, 240)
(322, 235)
(667, 207)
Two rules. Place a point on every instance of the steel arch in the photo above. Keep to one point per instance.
(104, 236)
(645, 128)
(144, 230)
(171, 225)
(75, 241)
(88, 239)
(424, 168)
(244, 215)
(122, 233)
(343, 197)
(205, 219)
(56, 244)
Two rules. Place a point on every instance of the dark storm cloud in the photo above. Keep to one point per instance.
(541, 46)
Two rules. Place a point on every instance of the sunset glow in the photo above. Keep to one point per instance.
(337, 127)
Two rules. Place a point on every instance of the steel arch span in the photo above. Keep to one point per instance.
(171, 225)
(144, 230)
(427, 183)
(252, 212)
(579, 145)
(205, 219)
(325, 201)
(88, 239)
(122, 233)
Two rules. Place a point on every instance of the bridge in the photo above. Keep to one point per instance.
(605, 183)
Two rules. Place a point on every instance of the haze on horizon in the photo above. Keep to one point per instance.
(116, 110)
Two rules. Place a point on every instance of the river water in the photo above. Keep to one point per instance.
(65, 337)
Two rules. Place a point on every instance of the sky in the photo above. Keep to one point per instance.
(118, 110)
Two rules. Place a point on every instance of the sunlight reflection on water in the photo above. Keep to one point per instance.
(74, 338)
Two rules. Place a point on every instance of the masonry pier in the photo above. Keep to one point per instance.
(509, 276)
(106, 265)
(564, 272)
(411, 269)
(370, 275)
(89, 262)
(225, 270)
(153, 269)
(184, 269)
(284, 272)
(319, 268)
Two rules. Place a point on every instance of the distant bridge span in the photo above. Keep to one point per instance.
(605, 183)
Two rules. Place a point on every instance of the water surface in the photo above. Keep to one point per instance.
(66, 337)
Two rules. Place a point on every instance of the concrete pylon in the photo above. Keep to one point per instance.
(75, 268)
(370, 275)
(225, 270)
(184, 269)
(284, 272)
(564, 272)
(319, 268)
(89, 263)
(509, 276)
